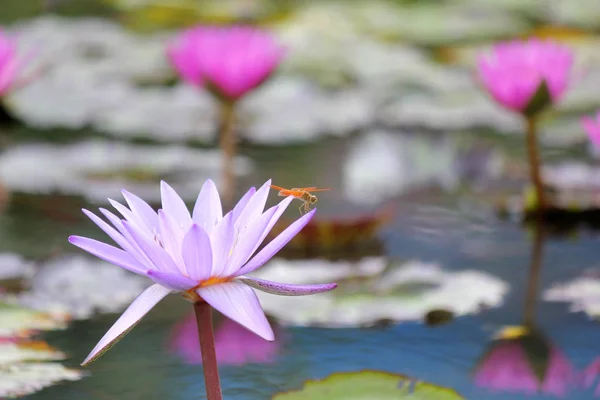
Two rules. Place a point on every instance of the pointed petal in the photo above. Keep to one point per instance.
(281, 207)
(174, 205)
(197, 253)
(134, 313)
(284, 289)
(128, 214)
(238, 302)
(110, 231)
(159, 257)
(241, 205)
(109, 253)
(221, 240)
(254, 208)
(171, 236)
(276, 244)
(172, 280)
(208, 210)
(141, 209)
(248, 242)
(117, 223)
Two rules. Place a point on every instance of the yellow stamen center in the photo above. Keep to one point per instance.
(191, 294)
(213, 280)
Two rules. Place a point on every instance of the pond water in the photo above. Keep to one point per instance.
(141, 366)
(435, 230)
(443, 174)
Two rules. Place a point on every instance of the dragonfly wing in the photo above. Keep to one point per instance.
(277, 187)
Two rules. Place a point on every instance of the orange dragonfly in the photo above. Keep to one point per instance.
(304, 194)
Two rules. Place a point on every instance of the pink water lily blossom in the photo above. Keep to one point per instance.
(591, 125)
(514, 71)
(11, 64)
(230, 60)
(234, 344)
(507, 368)
(204, 255)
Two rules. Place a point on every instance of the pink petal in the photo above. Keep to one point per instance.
(134, 313)
(108, 253)
(284, 289)
(514, 70)
(197, 253)
(207, 210)
(238, 302)
(276, 244)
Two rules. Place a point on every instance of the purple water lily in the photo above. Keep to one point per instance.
(205, 255)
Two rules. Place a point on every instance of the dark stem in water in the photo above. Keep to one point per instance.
(227, 142)
(207, 347)
(534, 272)
(534, 165)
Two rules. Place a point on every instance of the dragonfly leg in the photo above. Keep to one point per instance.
(300, 208)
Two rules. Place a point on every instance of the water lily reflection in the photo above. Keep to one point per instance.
(235, 345)
(528, 364)
(590, 375)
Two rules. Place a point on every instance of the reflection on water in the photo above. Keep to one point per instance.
(526, 365)
(235, 345)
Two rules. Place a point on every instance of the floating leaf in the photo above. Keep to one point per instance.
(98, 168)
(582, 293)
(18, 321)
(368, 385)
(373, 290)
(80, 286)
(11, 353)
(23, 379)
(572, 191)
(337, 237)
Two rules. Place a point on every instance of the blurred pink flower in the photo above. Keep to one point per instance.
(11, 64)
(231, 61)
(234, 344)
(589, 375)
(507, 368)
(592, 127)
(514, 72)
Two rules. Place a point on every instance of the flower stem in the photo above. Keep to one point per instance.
(207, 347)
(227, 142)
(534, 272)
(534, 164)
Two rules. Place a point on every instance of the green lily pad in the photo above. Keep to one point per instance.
(19, 321)
(367, 385)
